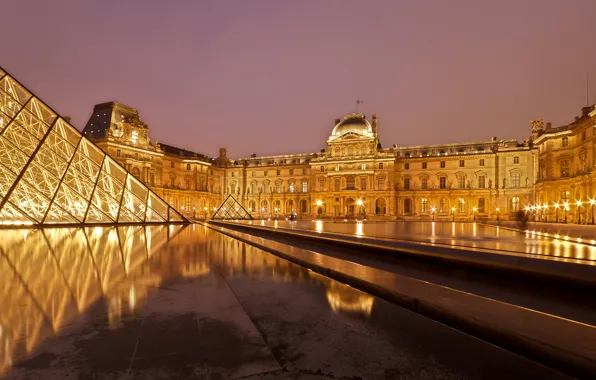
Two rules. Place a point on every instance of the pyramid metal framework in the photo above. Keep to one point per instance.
(231, 209)
(51, 174)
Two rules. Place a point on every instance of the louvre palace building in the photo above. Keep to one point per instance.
(550, 174)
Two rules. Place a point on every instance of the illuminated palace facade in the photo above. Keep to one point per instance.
(355, 176)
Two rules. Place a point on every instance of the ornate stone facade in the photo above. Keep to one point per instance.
(354, 176)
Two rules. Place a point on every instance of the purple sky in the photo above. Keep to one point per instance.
(271, 76)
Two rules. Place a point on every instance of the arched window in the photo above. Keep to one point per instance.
(423, 205)
(515, 204)
(443, 205)
(461, 205)
(407, 206)
(252, 205)
(380, 207)
(136, 172)
(303, 206)
(264, 206)
(290, 207)
(277, 206)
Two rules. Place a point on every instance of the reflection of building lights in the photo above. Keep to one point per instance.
(319, 226)
(132, 298)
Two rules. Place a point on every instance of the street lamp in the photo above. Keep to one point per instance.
(539, 212)
(432, 210)
(497, 214)
(579, 215)
(556, 213)
(565, 208)
(592, 201)
(205, 209)
(453, 214)
(319, 207)
(359, 203)
(474, 212)
(262, 211)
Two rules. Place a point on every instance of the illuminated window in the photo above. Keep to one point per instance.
(381, 184)
(462, 182)
(278, 188)
(265, 188)
(514, 204)
(321, 185)
(461, 163)
(337, 185)
(363, 166)
(424, 205)
(515, 182)
(407, 183)
(187, 166)
(253, 188)
(516, 160)
(442, 182)
(152, 178)
(363, 183)
(380, 165)
(233, 188)
(350, 182)
(291, 187)
(188, 185)
(322, 168)
(482, 162)
(135, 137)
(424, 181)
(565, 168)
(564, 142)
(304, 186)
(461, 205)
(443, 205)
(481, 182)
(118, 152)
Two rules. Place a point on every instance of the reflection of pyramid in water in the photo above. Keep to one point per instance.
(51, 174)
(231, 209)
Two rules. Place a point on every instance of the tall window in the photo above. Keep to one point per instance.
(254, 174)
(135, 137)
(304, 186)
(118, 152)
(336, 184)
(380, 165)
(564, 196)
(264, 206)
(152, 178)
(363, 166)
(233, 188)
(461, 163)
(350, 182)
(187, 166)
(303, 170)
(443, 205)
(172, 182)
(461, 205)
(515, 179)
(362, 183)
(172, 165)
(187, 185)
(265, 188)
(481, 182)
(322, 168)
(407, 206)
(442, 182)
(424, 165)
(564, 142)
(321, 185)
(482, 162)
(514, 204)
(565, 168)
(291, 187)
(278, 172)
(350, 150)
(253, 188)
(278, 188)
(303, 206)
(424, 205)
(482, 205)
(424, 182)
(265, 173)
(407, 166)
(442, 164)
(407, 183)
(381, 184)
(516, 160)
(462, 182)
(291, 171)
(583, 134)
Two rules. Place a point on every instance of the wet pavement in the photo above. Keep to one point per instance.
(454, 234)
(187, 302)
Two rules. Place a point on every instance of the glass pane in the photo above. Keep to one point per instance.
(41, 179)
(91, 151)
(174, 216)
(134, 204)
(11, 215)
(96, 216)
(127, 217)
(135, 187)
(41, 111)
(4, 120)
(20, 138)
(158, 205)
(106, 203)
(71, 201)
(78, 182)
(7, 178)
(8, 105)
(30, 201)
(59, 145)
(48, 159)
(11, 87)
(110, 185)
(85, 166)
(153, 216)
(32, 124)
(56, 215)
(10, 157)
(67, 132)
(115, 170)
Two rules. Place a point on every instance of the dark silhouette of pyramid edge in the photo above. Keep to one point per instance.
(56, 206)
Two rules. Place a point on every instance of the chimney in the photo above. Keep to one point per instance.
(337, 121)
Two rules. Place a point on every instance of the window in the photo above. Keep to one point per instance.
(424, 165)
(188, 204)
(337, 167)
(265, 173)
(278, 188)
(136, 156)
(350, 182)
(516, 160)
(564, 168)
(407, 166)
(442, 164)
(303, 170)
(350, 150)
(291, 171)
(443, 205)
(514, 204)
(424, 205)
(135, 138)
(118, 152)
(461, 163)
(264, 206)
(424, 181)
(461, 205)
(381, 184)
(515, 179)
(187, 166)
(407, 183)
(253, 188)
(407, 206)
(187, 185)
(482, 162)
(564, 142)
(462, 182)
(322, 168)
(481, 182)
(303, 206)
(152, 178)
(254, 174)
(362, 183)
(321, 185)
(380, 165)
(278, 172)
(336, 184)
(482, 205)
(265, 188)
(363, 166)
(442, 182)
(291, 187)
(233, 188)
(304, 186)
(564, 196)
(583, 134)
(172, 182)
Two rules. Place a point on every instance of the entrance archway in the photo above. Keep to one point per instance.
(350, 207)
(380, 207)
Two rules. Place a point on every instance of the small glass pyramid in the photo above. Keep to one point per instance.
(231, 209)
(51, 174)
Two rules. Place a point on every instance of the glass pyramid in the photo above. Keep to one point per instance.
(231, 209)
(51, 174)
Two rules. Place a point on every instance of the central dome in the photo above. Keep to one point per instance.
(353, 123)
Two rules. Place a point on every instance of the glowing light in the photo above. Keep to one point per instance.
(566, 238)
(527, 208)
(556, 236)
(592, 241)
(578, 203)
(319, 202)
(359, 202)
(592, 201)
(579, 240)
(556, 205)
(497, 209)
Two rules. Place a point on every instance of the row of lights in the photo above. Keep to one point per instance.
(559, 237)
(592, 202)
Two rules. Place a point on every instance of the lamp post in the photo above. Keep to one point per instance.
(579, 215)
(497, 214)
(539, 212)
(205, 209)
(565, 208)
(453, 214)
(544, 208)
(432, 210)
(474, 212)
(359, 203)
(319, 207)
(592, 201)
(556, 213)
(262, 211)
